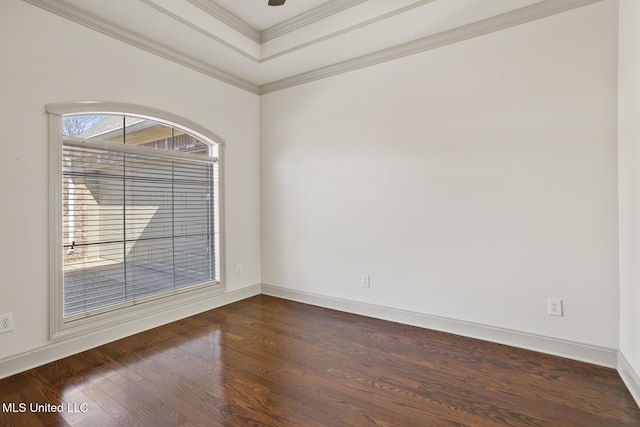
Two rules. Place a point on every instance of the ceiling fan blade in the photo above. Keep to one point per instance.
(276, 2)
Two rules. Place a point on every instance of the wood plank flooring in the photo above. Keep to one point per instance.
(266, 361)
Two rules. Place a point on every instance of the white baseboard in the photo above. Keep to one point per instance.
(629, 377)
(60, 349)
(573, 350)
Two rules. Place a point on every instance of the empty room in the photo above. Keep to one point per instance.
(320, 212)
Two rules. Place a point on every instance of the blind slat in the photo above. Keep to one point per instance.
(136, 224)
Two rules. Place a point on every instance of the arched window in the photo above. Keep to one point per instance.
(136, 213)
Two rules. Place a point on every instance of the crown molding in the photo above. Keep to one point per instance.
(202, 31)
(316, 14)
(119, 33)
(348, 29)
(217, 39)
(222, 14)
(475, 29)
(520, 16)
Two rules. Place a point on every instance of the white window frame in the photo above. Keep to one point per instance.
(61, 328)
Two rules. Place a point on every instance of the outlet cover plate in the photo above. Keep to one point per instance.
(555, 307)
(365, 281)
(6, 322)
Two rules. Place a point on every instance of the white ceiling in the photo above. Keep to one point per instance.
(261, 16)
(261, 48)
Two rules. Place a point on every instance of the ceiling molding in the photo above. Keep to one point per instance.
(202, 31)
(519, 16)
(348, 29)
(475, 29)
(119, 33)
(217, 39)
(316, 14)
(223, 15)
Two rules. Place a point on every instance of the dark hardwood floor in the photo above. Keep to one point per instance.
(271, 362)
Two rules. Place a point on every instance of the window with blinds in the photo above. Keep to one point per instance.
(140, 212)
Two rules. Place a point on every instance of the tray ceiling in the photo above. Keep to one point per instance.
(261, 48)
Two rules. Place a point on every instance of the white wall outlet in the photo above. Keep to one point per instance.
(6, 322)
(554, 306)
(239, 270)
(365, 281)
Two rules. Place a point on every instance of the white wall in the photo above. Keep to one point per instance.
(47, 59)
(629, 182)
(472, 182)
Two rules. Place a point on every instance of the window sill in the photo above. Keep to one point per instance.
(83, 325)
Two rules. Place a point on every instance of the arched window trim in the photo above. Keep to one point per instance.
(100, 107)
(59, 329)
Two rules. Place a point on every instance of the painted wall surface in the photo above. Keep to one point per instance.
(629, 181)
(48, 59)
(473, 181)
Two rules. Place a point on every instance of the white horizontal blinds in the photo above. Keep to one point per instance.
(216, 217)
(137, 223)
(192, 218)
(167, 225)
(92, 229)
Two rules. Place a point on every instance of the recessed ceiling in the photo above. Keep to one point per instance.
(261, 48)
(261, 16)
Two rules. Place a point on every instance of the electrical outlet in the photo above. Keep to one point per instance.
(365, 281)
(555, 307)
(6, 322)
(239, 270)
